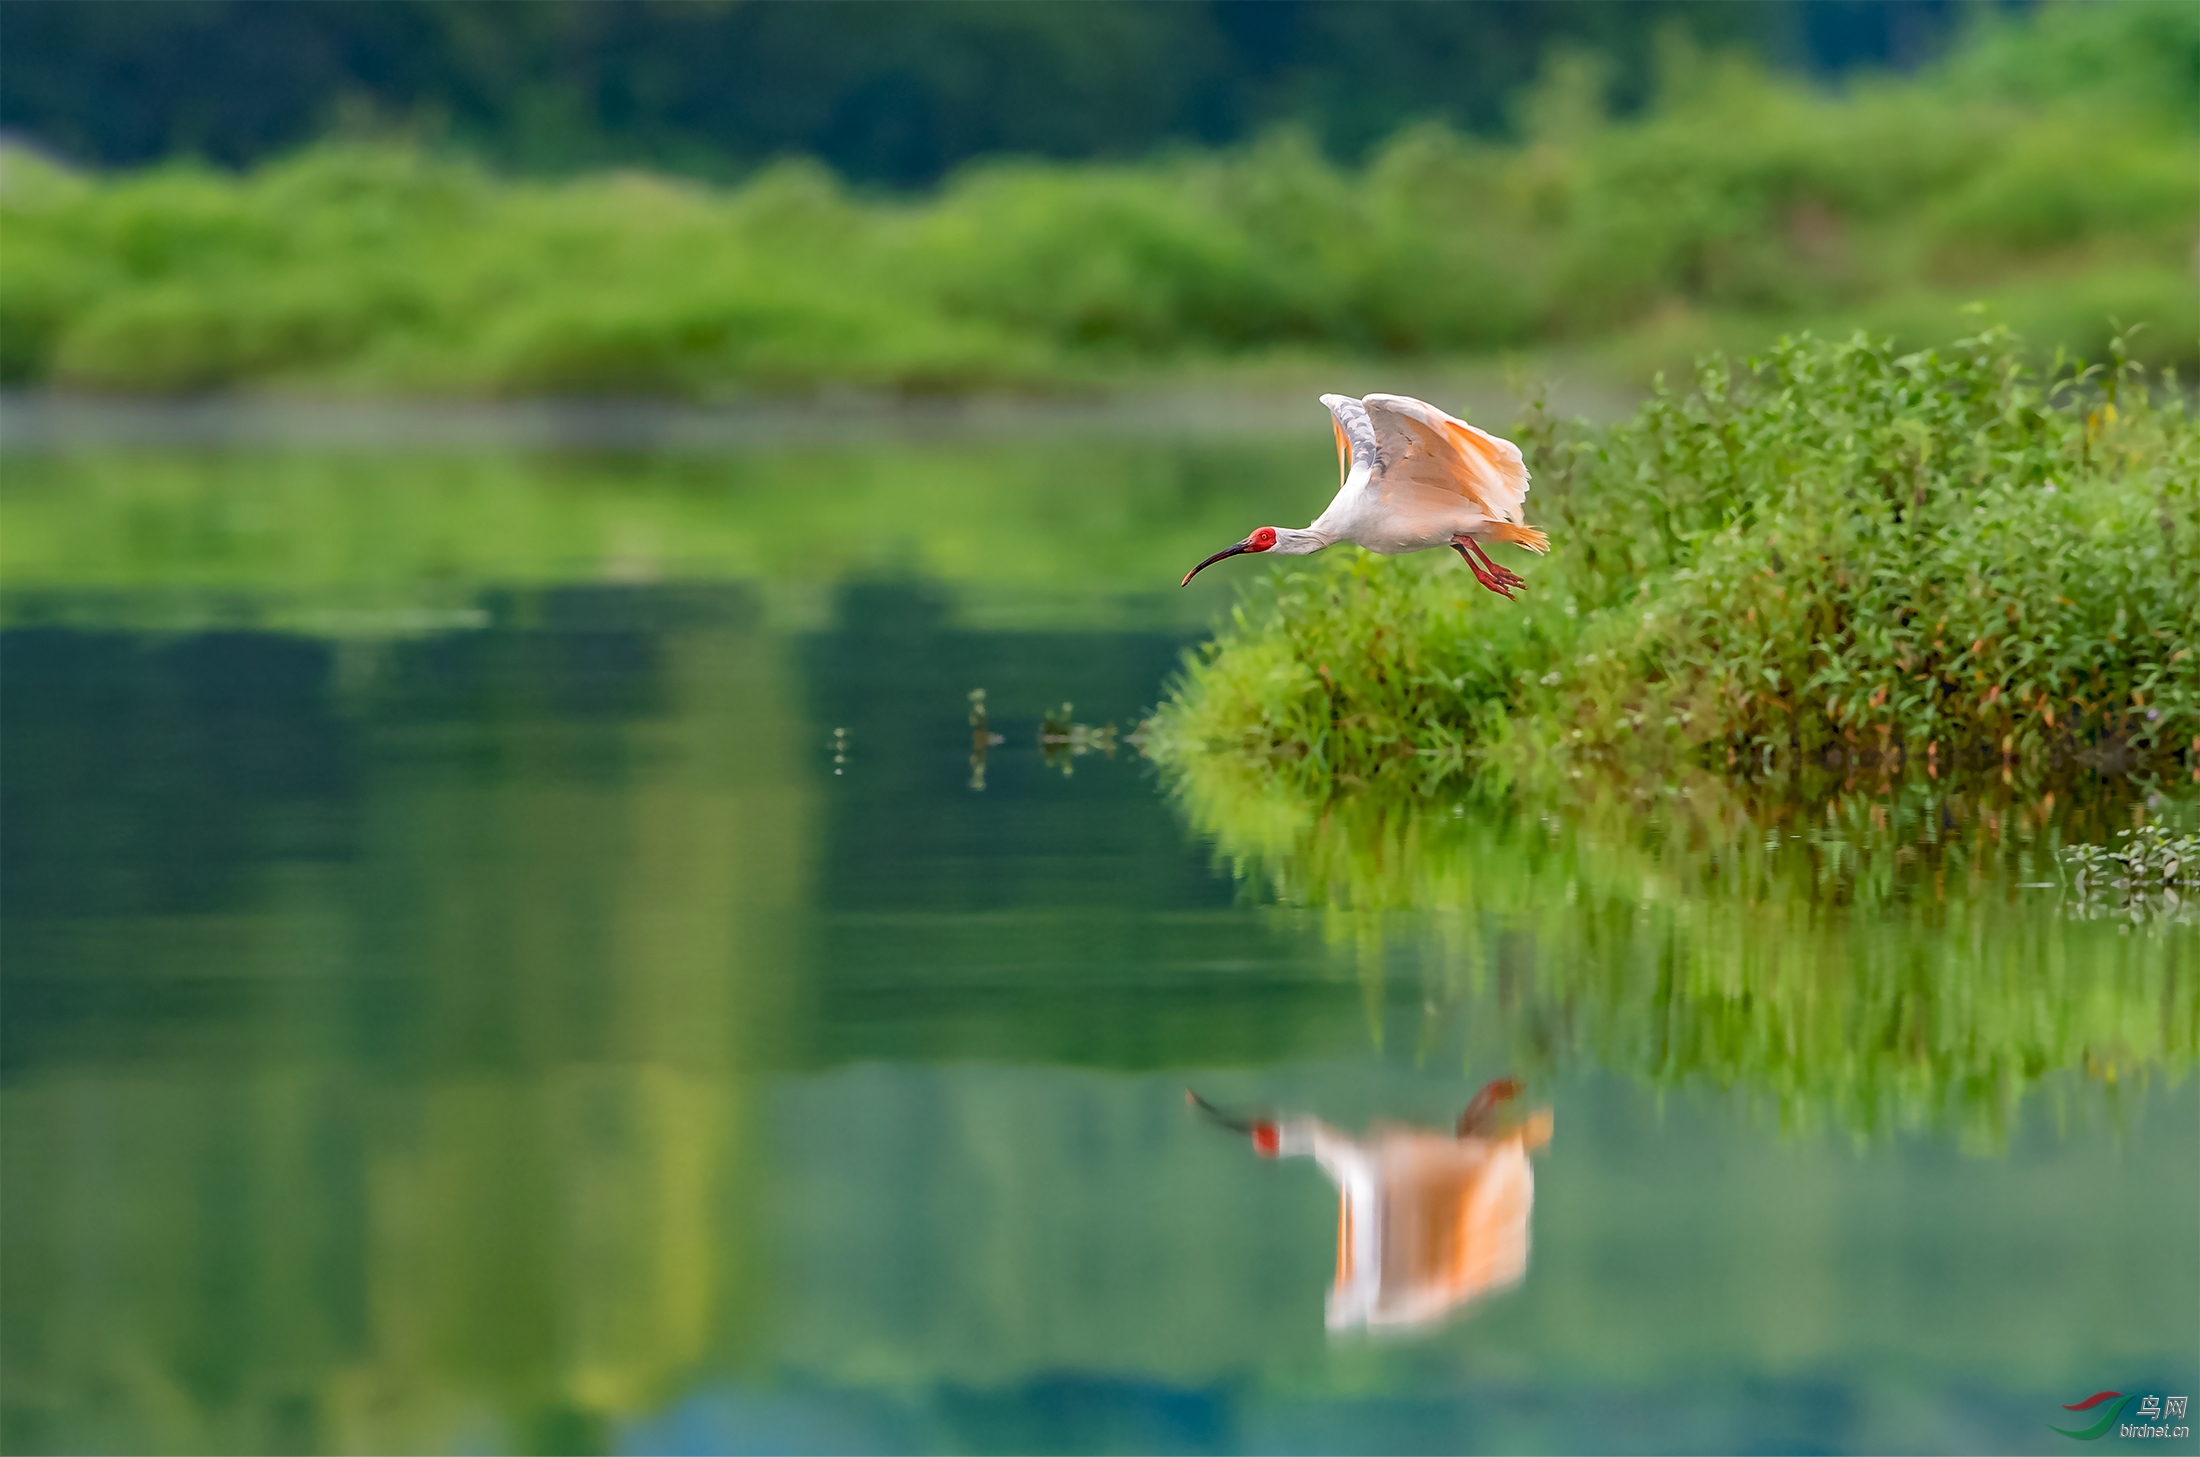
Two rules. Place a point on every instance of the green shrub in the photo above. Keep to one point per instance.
(175, 338)
(1838, 553)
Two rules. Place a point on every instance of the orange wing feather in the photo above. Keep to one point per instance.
(1499, 458)
(1425, 449)
(1455, 1218)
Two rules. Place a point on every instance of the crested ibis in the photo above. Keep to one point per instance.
(1413, 477)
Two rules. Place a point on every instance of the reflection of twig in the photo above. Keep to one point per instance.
(1062, 739)
(982, 738)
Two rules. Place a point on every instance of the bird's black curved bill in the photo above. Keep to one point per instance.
(1218, 556)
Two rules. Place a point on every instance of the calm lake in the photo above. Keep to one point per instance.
(521, 950)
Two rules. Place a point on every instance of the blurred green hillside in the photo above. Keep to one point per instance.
(2049, 168)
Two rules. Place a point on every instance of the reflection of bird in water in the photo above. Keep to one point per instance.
(1413, 478)
(1426, 1220)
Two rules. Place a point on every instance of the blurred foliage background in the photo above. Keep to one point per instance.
(884, 92)
(436, 199)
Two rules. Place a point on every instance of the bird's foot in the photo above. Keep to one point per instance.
(1492, 576)
(1503, 574)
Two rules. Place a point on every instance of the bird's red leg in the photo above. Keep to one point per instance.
(1503, 574)
(1481, 573)
(1472, 565)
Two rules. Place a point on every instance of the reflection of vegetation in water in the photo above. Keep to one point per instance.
(1875, 960)
(2062, 188)
(1837, 552)
(2144, 875)
(1058, 514)
(401, 1011)
(1063, 740)
(387, 1047)
(388, 1158)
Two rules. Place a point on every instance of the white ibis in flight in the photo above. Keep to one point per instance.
(1427, 1219)
(1413, 478)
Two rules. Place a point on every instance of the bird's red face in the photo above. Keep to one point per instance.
(1260, 540)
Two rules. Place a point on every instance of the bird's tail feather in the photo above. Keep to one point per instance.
(1526, 536)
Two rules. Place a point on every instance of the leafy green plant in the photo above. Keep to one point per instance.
(1839, 555)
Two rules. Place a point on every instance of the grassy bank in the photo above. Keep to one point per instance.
(2047, 166)
(1837, 555)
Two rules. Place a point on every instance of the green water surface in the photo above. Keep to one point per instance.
(514, 952)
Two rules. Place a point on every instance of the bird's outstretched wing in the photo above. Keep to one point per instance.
(1424, 451)
(1355, 438)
